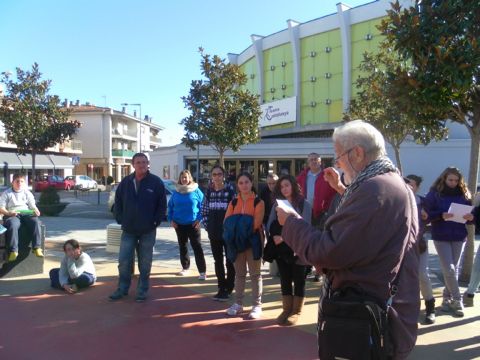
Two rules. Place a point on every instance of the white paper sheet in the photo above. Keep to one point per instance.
(458, 210)
(285, 205)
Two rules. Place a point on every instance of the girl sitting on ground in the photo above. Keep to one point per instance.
(76, 269)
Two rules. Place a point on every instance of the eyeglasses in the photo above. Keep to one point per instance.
(342, 154)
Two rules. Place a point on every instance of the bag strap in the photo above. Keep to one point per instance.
(394, 284)
(255, 202)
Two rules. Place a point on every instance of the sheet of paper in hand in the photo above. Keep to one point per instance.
(458, 210)
(285, 205)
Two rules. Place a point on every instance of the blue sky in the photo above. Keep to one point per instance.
(109, 52)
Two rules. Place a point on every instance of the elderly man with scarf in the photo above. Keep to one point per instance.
(370, 235)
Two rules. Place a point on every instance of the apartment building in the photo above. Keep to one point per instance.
(110, 138)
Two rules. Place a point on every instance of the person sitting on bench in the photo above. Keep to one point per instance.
(76, 269)
(17, 205)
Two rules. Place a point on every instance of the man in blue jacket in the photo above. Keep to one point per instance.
(140, 205)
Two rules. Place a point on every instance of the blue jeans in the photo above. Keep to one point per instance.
(144, 245)
(475, 276)
(83, 281)
(13, 224)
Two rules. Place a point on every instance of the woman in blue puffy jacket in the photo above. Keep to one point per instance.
(448, 236)
(184, 213)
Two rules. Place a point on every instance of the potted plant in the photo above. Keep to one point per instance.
(49, 203)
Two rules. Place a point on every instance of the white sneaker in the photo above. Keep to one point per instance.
(202, 276)
(256, 312)
(184, 272)
(235, 310)
(457, 308)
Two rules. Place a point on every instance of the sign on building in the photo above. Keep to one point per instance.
(279, 112)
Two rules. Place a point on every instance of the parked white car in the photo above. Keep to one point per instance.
(83, 182)
(169, 189)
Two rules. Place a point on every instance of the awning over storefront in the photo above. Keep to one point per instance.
(42, 162)
(10, 161)
(62, 162)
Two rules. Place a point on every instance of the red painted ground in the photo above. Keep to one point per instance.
(174, 323)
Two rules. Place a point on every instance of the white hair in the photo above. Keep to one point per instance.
(363, 134)
(272, 176)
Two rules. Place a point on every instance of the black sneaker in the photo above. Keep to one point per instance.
(117, 295)
(141, 296)
(215, 297)
(221, 296)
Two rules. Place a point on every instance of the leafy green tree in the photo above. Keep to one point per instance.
(223, 115)
(33, 119)
(380, 102)
(441, 40)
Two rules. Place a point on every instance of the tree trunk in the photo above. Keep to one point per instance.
(396, 149)
(468, 253)
(221, 161)
(33, 171)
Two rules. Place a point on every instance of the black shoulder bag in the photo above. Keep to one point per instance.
(354, 325)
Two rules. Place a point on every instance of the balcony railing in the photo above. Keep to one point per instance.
(123, 153)
(155, 139)
(128, 133)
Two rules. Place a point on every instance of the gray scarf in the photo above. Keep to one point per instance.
(380, 166)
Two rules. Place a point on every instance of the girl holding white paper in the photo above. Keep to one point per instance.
(292, 270)
(449, 236)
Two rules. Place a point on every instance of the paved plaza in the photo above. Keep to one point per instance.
(179, 319)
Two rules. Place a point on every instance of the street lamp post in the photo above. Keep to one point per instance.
(198, 162)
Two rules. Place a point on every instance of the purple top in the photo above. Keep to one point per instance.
(435, 205)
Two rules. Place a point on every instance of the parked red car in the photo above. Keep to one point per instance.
(58, 182)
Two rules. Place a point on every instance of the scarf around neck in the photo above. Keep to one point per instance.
(380, 166)
(185, 189)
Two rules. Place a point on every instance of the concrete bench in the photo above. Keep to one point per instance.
(27, 263)
(114, 238)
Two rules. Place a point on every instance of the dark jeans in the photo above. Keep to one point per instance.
(292, 273)
(185, 232)
(218, 249)
(13, 224)
(143, 244)
(83, 281)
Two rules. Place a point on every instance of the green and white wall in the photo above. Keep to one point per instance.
(314, 62)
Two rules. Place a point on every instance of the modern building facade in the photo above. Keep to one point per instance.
(305, 77)
(110, 138)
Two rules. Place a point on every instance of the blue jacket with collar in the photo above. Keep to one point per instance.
(140, 212)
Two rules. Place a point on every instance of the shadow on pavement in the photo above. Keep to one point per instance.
(174, 323)
(450, 350)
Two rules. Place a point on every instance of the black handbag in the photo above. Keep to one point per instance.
(270, 251)
(353, 325)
